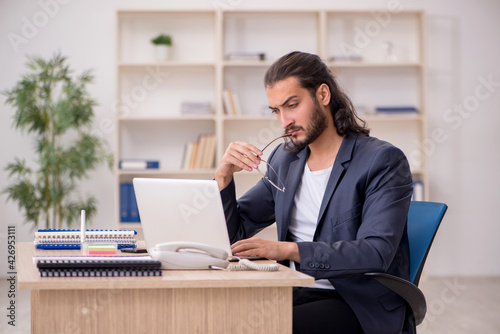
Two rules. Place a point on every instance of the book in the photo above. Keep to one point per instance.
(138, 164)
(134, 209)
(200, 154)
(227, 97)
(396, 109)
(231, 102)
(195, 108)
(188, 151)
(418, 191)
(82, 266)
(246, 56)
(70, 238)
(340, 58)
(124, 202)
(129, 212)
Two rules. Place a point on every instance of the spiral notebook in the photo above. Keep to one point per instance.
(70, 239)
(79, 266)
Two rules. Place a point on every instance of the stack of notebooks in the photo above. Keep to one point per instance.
(95, 266)
(70, 239)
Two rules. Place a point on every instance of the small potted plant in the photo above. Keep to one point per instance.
(162, 44)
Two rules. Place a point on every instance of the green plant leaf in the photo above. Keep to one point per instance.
(55, 107)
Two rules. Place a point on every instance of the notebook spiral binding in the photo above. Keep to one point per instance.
(70, 238)
(121, 267)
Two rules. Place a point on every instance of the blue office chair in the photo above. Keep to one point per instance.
(423, 221)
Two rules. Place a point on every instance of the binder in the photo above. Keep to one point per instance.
(77, 266)
(70, 238)
(129, 212)
(134, 210)
(138, 164)
(125, 202)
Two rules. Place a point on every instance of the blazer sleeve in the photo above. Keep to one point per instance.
(377, 220)
(251, 213)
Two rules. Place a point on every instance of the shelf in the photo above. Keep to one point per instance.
(361, 64)
(247, 63)
(164, 172)
(129, 226)
(169, 119)
(393, 117)
(249, 118)
(166, 64)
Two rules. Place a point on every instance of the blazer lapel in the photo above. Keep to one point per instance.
(292, 181)
(344, 155)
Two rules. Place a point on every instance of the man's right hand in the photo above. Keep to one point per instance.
(238, 156)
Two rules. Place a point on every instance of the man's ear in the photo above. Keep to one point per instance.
(323, 94)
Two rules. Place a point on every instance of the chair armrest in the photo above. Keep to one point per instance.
(408, 291)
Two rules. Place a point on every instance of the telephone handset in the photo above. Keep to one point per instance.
(189, 255)
(192, 255)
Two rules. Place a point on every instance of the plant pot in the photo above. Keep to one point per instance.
(162, 52)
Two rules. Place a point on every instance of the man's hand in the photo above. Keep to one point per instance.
(238, 156)
(273, 250)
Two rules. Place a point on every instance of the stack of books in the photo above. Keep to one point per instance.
(94, 266)
(200, 154)
(231, 102)
(246, 56)
(396, 109)
(195, 108)
(70, 238)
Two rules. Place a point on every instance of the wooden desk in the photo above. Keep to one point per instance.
(198, 301)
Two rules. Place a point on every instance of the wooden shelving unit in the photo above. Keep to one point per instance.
(149, 122)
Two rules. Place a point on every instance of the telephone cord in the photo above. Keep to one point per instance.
(245, 264)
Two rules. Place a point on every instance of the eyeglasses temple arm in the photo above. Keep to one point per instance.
(274, 141)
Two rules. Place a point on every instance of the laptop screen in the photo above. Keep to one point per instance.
(180, 210)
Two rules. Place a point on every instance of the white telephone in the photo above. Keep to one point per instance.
(189, 255)
(192, 255)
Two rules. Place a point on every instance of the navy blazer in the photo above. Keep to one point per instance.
(361, 225)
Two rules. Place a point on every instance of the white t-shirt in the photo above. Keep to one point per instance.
(305, 210)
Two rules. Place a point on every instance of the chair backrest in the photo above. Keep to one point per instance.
(423, 221)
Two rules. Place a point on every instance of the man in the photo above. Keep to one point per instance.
(344, 209)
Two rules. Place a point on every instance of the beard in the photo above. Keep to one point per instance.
(316, 126)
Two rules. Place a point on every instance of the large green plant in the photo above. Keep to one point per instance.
(55, 109)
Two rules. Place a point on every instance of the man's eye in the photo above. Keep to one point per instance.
(291, 106)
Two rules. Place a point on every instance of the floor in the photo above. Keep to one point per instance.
(454, 305)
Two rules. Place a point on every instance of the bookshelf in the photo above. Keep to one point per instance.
(150, 94)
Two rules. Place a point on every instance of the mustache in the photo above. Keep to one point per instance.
(293, 128)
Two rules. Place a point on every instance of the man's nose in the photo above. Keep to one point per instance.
(285, 119)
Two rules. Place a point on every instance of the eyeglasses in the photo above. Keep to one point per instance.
(281, 186)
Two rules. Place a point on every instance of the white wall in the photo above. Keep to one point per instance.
(463, 51)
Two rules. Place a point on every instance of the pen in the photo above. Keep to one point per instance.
(82, 228)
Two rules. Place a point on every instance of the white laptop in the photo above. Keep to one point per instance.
(179, 210)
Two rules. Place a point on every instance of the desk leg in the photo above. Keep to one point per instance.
(183, 310)
(34, 311)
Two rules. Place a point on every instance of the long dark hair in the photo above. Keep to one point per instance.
(310, 71)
